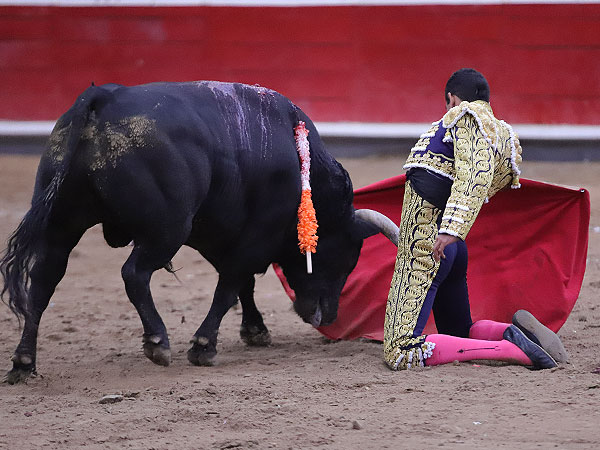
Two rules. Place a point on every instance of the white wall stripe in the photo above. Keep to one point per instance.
(263, 3)
(26, 128)
(362, 130)
(413, 130)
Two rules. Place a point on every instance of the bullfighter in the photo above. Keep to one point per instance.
(454, 168)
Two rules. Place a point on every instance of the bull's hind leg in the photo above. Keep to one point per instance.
(253, 330)
(144, 260)
(204, 348)
(47, 271)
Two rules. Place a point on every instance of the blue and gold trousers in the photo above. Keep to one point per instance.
(420, 284)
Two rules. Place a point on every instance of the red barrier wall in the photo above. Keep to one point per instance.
(358, 63)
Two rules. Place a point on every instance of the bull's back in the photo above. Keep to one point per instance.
(236, 126)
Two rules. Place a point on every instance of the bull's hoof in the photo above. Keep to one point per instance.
(23, 369)
(155, 351)
(255, 336)
(203, 352)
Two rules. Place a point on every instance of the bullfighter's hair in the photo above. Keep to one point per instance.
(468, 85)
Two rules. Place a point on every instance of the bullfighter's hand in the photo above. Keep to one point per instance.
(440, 244)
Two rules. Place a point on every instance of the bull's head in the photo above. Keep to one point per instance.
(318, 293)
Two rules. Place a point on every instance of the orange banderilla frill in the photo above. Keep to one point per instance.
(307, 217)
(307, 224)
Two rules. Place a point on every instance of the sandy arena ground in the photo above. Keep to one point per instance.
(303, 392)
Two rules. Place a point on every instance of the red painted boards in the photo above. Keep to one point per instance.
(356, 63)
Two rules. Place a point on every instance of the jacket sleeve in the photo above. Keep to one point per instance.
(474, 166)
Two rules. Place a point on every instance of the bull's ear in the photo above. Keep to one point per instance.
(367, 220)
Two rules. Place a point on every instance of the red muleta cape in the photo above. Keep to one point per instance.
(527, 250)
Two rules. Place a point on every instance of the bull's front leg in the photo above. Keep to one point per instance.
(253, 330)
(204, 348)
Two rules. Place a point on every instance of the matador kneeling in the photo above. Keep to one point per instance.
(456, 166)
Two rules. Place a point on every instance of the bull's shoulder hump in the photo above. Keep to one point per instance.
(229, 87)
(111, 87)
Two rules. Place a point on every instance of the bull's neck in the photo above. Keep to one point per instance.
(331, 190)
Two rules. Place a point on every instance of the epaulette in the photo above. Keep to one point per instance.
(481, 112)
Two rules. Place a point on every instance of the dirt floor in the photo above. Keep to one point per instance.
(303, 392)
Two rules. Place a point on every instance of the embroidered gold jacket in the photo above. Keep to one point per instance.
(480, 153)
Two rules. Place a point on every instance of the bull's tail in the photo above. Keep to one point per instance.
(20, 253)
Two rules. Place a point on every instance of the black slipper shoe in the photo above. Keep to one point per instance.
(538, 356)
(541, 335)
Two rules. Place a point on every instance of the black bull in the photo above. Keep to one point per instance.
(210, 165)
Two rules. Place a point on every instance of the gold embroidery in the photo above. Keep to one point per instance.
(498, 134)
(413, 273)
(430, 161)
(487, 154)
(474, 166)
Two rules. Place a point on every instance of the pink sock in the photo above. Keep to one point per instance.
(488, 330)
(452, 348)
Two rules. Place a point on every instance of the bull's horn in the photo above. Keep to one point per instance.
(386, 226)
